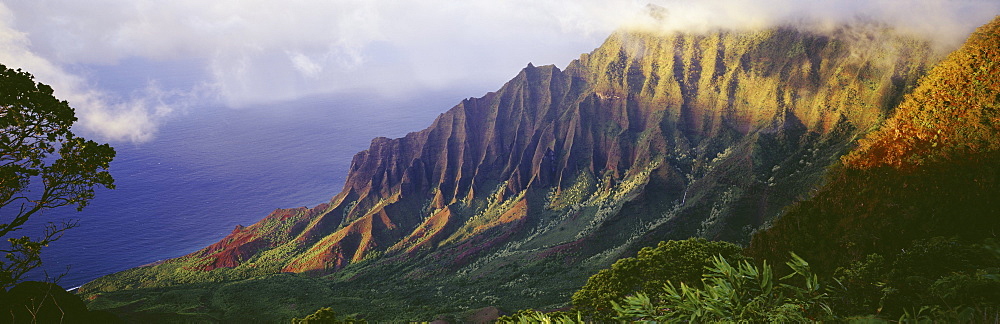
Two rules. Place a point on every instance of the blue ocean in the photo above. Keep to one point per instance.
(210, 169)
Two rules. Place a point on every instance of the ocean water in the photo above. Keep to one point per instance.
(213, 168)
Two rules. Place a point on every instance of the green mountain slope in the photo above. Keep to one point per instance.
(933, 169)
(560, 172)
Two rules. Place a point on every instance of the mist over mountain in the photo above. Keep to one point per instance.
(240, 53)
(929, 170)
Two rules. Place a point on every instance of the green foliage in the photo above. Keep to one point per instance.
(274, 298)
(932, 280)
(43, 165)
(42, 302)
(326, 315)
(930, 170)
(941, 278)
(735, 294)
(370, 289)
(671, 261)
(860, 286)
(533, 316)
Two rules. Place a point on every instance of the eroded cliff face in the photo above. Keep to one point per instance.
(650, 137)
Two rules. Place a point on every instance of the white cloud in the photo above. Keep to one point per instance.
(111, 119)
(947, 22)
(305, 65)
(253, 52)
(261, 51)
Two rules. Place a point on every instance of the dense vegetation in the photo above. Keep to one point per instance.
(932, 170)
(938, 279)
(951, 114)
(672, 261)
(326, 315)
(44, 302)
(741, 293)
(905, 229)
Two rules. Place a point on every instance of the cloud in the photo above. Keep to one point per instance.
(110, 119)
(305, 65)
(256, 52)
(946, 22)
(265, 51)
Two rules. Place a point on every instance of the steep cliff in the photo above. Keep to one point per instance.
(650, 137)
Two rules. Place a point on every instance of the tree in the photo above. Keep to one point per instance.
(533, 316)
(43, 165)
(672, 261)
(326, 315)
(741, 293)
(939, 277)
(44, 302)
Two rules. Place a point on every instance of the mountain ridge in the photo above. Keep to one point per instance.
(647, 138)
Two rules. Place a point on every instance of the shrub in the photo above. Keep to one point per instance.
(735, 294)
(326, 315)
(533, 316)
(672, 261)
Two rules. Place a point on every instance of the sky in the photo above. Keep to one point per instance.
(128, 66)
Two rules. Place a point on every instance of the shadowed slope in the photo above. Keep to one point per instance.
(933, 169)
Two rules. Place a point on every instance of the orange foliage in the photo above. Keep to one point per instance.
(953, 111)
